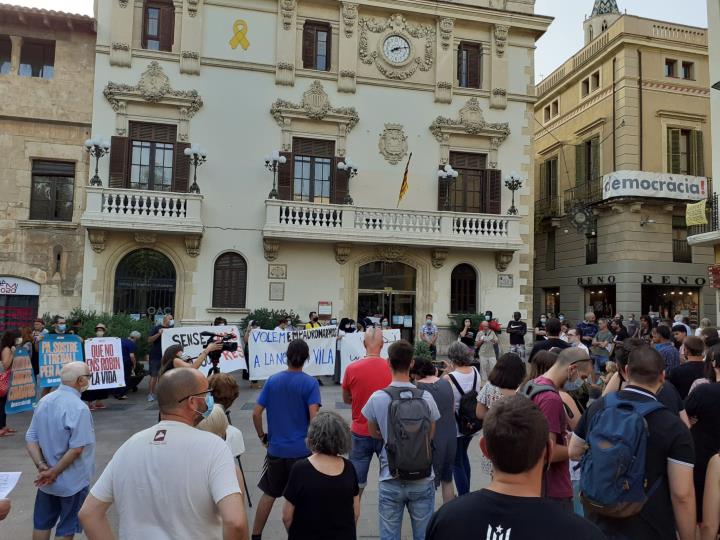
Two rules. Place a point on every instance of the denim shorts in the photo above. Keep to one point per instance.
(51, 510)
(361, 455)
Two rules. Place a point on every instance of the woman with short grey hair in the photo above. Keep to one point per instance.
(322, 498)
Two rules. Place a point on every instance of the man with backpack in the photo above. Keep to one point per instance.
(544, 391)
(404, 418)
(637, 459)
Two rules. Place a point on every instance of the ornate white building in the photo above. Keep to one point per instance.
(334, 88)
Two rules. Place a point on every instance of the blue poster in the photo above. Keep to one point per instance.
(55, 351)
(21, 394)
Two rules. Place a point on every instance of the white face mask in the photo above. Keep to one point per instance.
(171, 323)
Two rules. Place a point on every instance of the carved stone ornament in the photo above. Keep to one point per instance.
(396, 25)
(501, 37)
(390, 253)
(470, 122)
(315, 105)
(154, 86)
(342, 253)
(287, 10)
(117, 46)
(438, 257)
(192, 7)
(192, 245)
(447, 25)
(190, 54)
(271, 248)
(350, 15)
(97, 240)
(145, 238)
(499, 92)
(503, 260)
(393, 143)
(123, 3)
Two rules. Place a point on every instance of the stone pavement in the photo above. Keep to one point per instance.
(123, 418)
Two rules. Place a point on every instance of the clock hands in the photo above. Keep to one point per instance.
(395, 49)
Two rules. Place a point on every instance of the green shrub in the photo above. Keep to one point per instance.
(268, 318)
(422, 350)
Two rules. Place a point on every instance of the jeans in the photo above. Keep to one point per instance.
(519, 350)
(599, 361)
(363, 449)
(577, 503)
(461, 470)
(394, 496)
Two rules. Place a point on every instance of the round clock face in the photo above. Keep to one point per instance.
(396, 49)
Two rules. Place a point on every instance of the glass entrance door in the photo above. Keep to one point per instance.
(399, 307)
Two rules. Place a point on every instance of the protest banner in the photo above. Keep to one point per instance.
(268, 351)
(55, 351)
(21, 395)
(193, 340)
(104, 358)
(352, 347)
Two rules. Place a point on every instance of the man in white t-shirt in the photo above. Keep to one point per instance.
(172, 481)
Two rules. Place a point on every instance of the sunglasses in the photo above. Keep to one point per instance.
(194, 395)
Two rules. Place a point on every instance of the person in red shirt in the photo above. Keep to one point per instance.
(362, 378)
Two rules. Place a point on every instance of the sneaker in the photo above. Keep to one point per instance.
(151, 397)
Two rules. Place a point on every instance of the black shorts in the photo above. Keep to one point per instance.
(275, 475)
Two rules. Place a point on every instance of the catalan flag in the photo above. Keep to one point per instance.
(405, 186)
(695, 213)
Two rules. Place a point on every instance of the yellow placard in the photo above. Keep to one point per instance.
(240, 29)
(695, 213)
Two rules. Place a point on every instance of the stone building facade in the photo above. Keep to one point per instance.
(46, 83)
(326, 85)
(622, 143)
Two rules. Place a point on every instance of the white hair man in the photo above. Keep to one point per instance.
(61, 443)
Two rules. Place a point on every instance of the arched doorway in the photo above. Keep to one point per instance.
(389, 288)
(145, 284)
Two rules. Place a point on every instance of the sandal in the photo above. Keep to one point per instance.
(11, 430)
(100, 405)
(4, 432)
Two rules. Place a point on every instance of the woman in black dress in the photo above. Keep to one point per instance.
(322, 498)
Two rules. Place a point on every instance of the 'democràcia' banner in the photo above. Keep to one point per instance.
(21, 394)
(268, 351)
(192, 342)
(104, 358)
(57, 350)
(352, 347)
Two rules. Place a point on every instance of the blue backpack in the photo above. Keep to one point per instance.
(613, 481)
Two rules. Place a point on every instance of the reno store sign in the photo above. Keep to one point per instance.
(18, 287)
(655, 185)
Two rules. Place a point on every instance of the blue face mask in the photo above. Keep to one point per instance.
(210, 403)
(573, 385)
(61, 327)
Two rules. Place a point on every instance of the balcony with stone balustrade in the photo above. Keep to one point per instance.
(344, 224)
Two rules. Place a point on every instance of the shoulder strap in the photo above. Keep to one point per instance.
(641, 408)
(475, 375)
(457, 385)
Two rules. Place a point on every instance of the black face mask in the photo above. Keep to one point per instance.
(315, 319)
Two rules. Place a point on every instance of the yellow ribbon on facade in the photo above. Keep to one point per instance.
(695, 213)
(240, 29)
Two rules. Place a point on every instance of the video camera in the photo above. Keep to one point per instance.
(227, 345)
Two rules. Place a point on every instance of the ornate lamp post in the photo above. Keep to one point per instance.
(97, 147)
(197, 156)
(352, 171)
(446, 175)
(513, 183)
(272, 162)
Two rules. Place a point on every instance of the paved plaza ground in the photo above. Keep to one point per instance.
(123, 418)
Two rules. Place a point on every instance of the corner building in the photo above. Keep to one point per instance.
(622, 144)
(325, 84)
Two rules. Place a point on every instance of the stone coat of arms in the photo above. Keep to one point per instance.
(393, 143)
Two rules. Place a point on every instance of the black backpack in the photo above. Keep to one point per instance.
(466, 417)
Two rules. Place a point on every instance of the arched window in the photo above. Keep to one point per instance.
(463, 289)
(590, 30)
(604, 26)
(145, 284)
(230, 281)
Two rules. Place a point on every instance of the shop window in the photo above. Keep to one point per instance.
(670, 67)
(37, 59)
(601, 301)
(688, 71)
(316, 46)
(668, 301)
(158, 26)
(463, 289)
(469, 65)
(230, 281)
(552, 301)
(53, 187)
(550, 251)
(476, 189)
(5, 55)
(685, 152)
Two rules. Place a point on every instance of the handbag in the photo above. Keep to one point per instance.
(4, 383)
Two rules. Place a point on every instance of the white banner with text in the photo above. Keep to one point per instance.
(656, 185)
(352, 347)
(193, 339)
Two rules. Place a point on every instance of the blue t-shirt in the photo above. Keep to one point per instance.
(286, 396)
(128, 347)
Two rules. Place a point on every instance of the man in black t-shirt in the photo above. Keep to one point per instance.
(552, 341)
(517, 330)
(155, 341)
(669, 460)
(516, 440)
(685, 374)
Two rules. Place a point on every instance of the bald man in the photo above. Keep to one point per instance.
(171, 481)
(362, 378)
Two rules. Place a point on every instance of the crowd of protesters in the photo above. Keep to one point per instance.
(557, 422)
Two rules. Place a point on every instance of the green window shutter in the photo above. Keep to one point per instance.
(673, 154)
(543, 181)
(698, 153)
(595, 158)
(580, 165)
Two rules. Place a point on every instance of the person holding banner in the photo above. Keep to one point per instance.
(173, 357)
(7, 352)
(94, 398)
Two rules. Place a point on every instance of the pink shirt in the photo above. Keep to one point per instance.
(362, 378)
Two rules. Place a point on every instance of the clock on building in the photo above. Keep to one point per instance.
(396, 49)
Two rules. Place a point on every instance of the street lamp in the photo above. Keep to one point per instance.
(513, 183)
(272, 162)
(352, 170)
(197, 156)
(97, 147)
(446, 175)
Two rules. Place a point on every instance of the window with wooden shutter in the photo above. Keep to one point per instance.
(673, 151)
(53, 188)
(463, 289)
(316, 45)
(467, 192)
(469, 71)
(313, 170)
(230, 281)
(340, 183)
(118, 162)
(697, 153)
(158, 25)
(581, 159)
(285, 177)
(594, 153)
(153, 157)
(493, 200)
(181, 177)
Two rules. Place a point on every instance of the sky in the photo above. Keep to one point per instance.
(564, 38)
